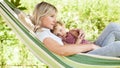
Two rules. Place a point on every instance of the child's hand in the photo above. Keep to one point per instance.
(74, 32)
(81, 34)
(78, 41)
(80, 38)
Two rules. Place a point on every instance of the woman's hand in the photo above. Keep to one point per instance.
(95, 46)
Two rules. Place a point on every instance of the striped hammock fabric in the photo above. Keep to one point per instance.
(9, 13)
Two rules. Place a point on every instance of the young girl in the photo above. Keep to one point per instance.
(44, 20)
(70, 37)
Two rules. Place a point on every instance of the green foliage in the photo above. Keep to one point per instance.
(17, 4)
(90, 15)
(12, 51)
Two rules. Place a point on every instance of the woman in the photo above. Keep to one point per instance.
(44, 19)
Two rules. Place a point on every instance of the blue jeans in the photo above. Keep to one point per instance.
(109, 41)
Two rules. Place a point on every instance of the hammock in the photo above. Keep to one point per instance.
(17, 22)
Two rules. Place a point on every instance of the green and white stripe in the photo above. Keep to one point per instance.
(43, 54)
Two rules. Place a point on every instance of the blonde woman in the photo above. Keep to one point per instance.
(44, 19)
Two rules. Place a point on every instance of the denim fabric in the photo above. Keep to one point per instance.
(109, 41)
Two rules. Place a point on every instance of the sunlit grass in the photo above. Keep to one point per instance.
(90, 15)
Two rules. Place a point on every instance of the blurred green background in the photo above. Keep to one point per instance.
(90, 15)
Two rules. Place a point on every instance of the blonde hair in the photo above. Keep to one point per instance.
(41, 10)
(58, 23)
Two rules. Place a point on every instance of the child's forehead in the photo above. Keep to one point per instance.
(59, 26)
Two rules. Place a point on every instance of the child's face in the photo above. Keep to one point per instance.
(60, 31)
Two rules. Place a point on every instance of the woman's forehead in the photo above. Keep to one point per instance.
(52, 12)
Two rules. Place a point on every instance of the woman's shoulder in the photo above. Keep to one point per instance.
(42, 35)
(47, 34)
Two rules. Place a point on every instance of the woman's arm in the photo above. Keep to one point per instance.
(63, 50)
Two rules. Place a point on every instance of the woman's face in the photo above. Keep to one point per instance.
(49, 20)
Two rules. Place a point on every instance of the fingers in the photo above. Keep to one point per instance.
(81, 33)
(81, 36)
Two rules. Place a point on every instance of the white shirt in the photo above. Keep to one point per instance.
(45, 33)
